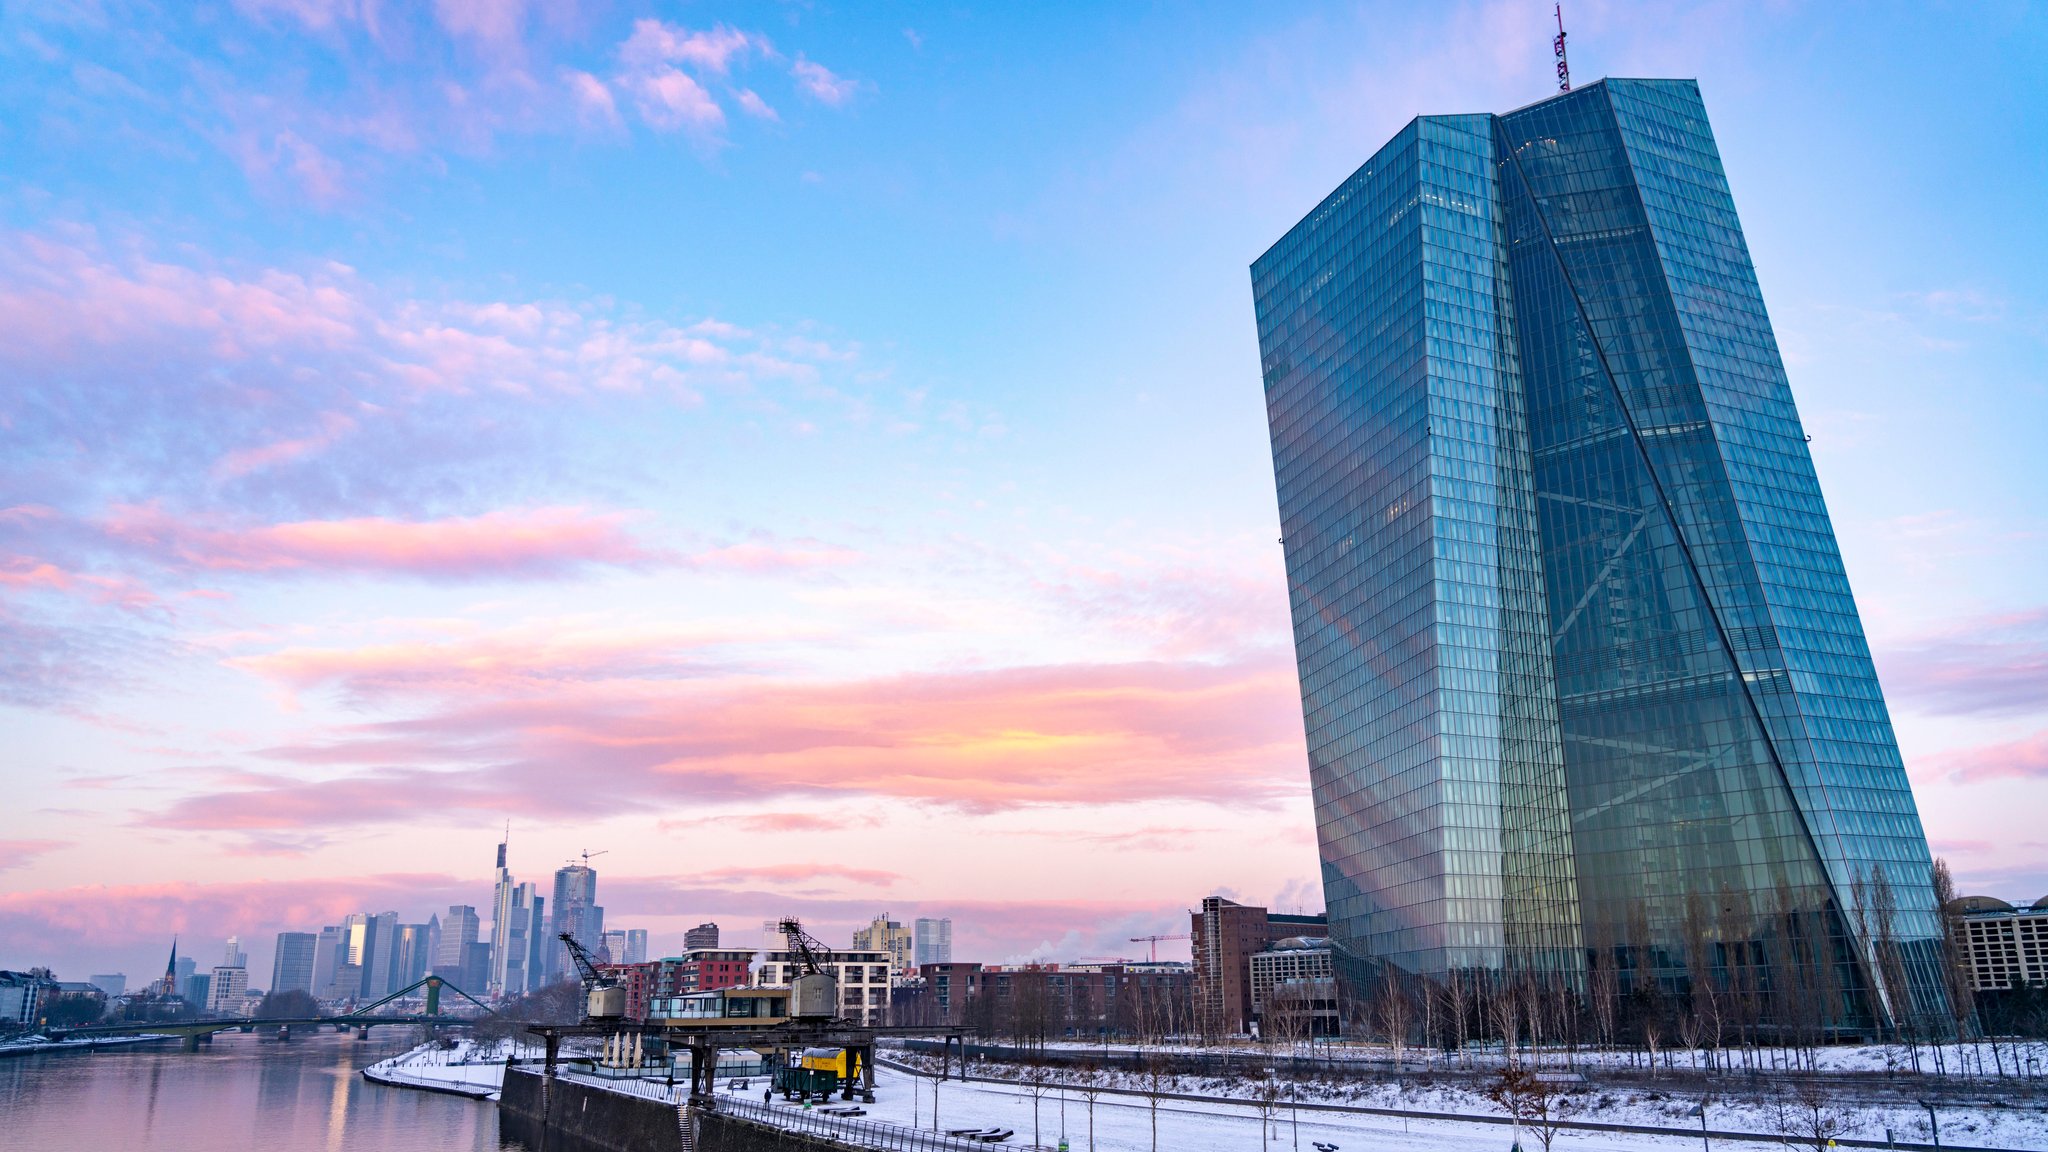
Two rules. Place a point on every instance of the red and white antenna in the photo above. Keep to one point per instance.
(1564, 68)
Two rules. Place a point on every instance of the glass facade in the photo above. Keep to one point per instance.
(1583, 679)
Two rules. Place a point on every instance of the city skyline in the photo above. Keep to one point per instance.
(853, 475)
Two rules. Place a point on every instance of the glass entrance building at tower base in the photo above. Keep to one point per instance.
(1585, 688)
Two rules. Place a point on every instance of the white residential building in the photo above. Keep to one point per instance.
(863, 980)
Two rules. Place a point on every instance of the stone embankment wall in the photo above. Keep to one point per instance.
(564, 1116)
(717, 1133)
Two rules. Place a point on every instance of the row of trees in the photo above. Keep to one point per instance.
(1731, 987)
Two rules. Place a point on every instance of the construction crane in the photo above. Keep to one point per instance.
(1154, 942)
(586, 854)
(602, 996)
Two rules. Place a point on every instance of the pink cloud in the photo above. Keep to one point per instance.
(664, 66)
(786, 873)
(15, 853)
(751, 103)
(85, 921)
(495, 29)
(506, 544)
(2022, 759)
(28, 573)
(242, 461)
(820, 82)
(592, 97)
(1986, 666)
(1090, 734)
(772, 822)
(87, 927)
(654, 43)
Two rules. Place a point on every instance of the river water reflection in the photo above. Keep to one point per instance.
(238, 1092)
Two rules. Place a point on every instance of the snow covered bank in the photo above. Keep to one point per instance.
(466, 1069)
(25, 1045)
(1423, 1105)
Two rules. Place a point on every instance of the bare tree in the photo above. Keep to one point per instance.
(1087, 1080)
(1603, 994)
(1266, 1094)
(1955, 955)
(1392, 1008)
(1808, 1115)
(1154, 1082)
(1502, 1017)
(1038, 1083)
(1534, 1102)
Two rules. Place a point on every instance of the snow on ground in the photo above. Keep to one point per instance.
(1125, 1124)
(19, 1045)
(2022, 1126)
(466, 1067)
(1988, 1059)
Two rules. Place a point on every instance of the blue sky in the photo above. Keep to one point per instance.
(845, 422)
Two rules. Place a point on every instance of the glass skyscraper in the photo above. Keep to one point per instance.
(1583, 679)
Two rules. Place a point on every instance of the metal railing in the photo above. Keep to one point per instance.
(646, 1089)
(861, 1133)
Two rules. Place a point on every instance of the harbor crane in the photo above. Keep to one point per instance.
(814, 994)
(603, 998)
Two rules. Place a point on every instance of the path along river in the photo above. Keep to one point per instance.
(238, 1092)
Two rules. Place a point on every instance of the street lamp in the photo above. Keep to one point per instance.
(1933, 1121)
(1700, 1110)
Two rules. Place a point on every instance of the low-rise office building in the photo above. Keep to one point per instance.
(2004, 946)
(1294, 988)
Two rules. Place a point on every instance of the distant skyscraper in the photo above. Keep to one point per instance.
(359, 954)
(507, 918)
(575, 911)
(410, 955)
(232, 955)
(329, 953)
(476, 965)
(702, 936)
(378, 974)
(537, 945)
(291, 968)
(636, 946)
(934, 941)
(112, 983)
(612, 947)
(1583, 679)
(459, 929)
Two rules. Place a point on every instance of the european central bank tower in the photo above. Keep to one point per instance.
(1585, 688)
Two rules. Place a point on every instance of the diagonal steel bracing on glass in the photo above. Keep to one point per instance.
(1755, 789)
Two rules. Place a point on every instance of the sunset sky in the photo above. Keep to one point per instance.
(815, 453)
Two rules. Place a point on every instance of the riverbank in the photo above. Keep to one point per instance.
(32, 1045)
(463, 1069)
(1764, 1113)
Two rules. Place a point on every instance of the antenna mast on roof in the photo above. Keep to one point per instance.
(1564, 68)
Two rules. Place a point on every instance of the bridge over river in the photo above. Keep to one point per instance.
(360, 1020)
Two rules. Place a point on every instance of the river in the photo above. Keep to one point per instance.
(238, 1092)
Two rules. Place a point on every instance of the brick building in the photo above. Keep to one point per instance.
(1225, 936)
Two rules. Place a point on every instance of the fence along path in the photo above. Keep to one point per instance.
(865, 1133)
